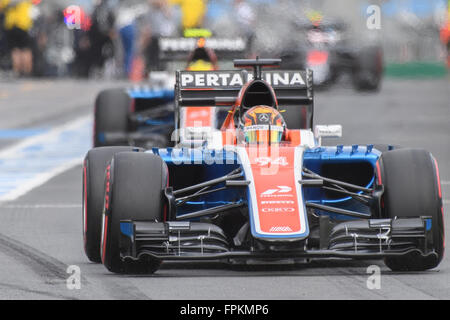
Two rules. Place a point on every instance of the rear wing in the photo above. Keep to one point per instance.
(293, 90)
(178, 49)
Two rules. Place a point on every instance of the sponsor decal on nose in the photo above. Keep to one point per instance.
(280, 189)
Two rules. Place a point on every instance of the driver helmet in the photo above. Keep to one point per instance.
(263, 124)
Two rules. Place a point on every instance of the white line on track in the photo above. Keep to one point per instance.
(35, 160)
(53, 134)
(39, 180)
(41, 206)
(445, 183)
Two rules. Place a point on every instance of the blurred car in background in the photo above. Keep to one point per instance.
(143, 115)
(324, 47)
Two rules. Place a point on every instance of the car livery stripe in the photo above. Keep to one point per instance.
(276, 207)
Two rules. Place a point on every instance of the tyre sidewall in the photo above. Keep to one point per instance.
(412, 187)
(94, 167)
(145, 203)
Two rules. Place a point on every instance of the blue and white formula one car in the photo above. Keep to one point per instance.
(256, 190)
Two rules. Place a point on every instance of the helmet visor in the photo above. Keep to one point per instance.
(261, 134)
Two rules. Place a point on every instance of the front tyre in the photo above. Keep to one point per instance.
(134, 191)
(412, 189)
(94, 167)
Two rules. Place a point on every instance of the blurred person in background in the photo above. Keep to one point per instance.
(245, 17)
(81, 43)
(158, 22)
(193, 12)
(101, 36)
(40, 35)
(17, 25)
(127, 14)
(4, 54)
(93, 44)
(54, 43)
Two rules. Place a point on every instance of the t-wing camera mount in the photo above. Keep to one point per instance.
(257, 65)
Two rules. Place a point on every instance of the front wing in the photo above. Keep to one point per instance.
(358, 239)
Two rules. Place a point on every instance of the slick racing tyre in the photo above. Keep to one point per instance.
(368, 69)
(412, 189)
(134, 191)
(112, 108)
(94, 168)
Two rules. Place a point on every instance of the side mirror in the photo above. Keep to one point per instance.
(330, 131)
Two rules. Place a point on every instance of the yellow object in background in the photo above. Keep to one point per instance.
(17, 15)
(315, 17)
(197, 33)
(200, 65)
(193, 12)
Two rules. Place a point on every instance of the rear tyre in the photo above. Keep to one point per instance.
(94, 168)
(368, 69)
(134, 191)
(112, 108)
(412, 189)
